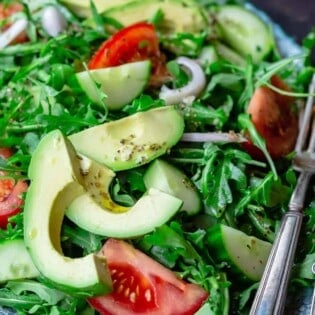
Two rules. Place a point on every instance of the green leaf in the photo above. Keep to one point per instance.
(304, 269)
(47, 295)
(142, 103)
(227, 81)
(257, 139)
(120, 195)
(270, 191)
(223, 168)
(167, 246)
(97, 19)
(90, 243)
(245, 295)
(199, 116)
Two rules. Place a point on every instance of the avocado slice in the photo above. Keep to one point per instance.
(97, 213)
(56, 180)
(120, 84)
(82, 7)
(133, 140)
(178, 15)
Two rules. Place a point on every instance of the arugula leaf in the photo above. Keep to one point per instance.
(184, 43)
(167, 246)
(222, 168)
(200, 117)
(90, 243)
(15, 228)
(304, 268)
(33, 297)
(142, 103)
(245, 295)
(173, 247)
(247, 124)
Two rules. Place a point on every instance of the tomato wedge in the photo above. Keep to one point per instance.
(136, 42)
(275, 119)
(143, 286)
(10, 193)
(6, 10)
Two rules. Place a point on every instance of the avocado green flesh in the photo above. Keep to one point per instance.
(244, 31)
(16, 262)
(247, 254)
(55, 177)
(82, 7)
(131, 141)
(166, 177)
(96, 180)
(150, 211)
(96, 212)
(179, 16)
(120, 84)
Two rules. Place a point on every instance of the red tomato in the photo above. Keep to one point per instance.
(143, 286)
(6, 10)
(10, 193)
(136, 42)
(5, 153)
(275, 119)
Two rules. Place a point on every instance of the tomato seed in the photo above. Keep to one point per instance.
(147, 295)
(132, 297)
(120, 288)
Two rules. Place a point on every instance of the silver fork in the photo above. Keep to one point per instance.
(312, 312)
(271, 294)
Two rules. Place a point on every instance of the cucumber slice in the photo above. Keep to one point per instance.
(244, 31)
(16, 263)
(169, 179)
(229, 54)
(247, 255)
(120, 84)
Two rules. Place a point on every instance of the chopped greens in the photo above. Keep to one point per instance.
(39, 93)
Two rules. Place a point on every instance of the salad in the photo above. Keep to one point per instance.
(145, 156)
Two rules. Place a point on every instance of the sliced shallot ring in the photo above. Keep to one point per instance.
(11, 33)
(193, 88)
(213, 137)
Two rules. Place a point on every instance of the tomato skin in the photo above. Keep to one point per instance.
(136, 42)
(133, 43)
(10, 193)
(146, 287)
(274, 118)
(5, 12)
(5, 153)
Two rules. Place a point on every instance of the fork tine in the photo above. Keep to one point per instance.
(302, 136)
(271, 293)
(311, 146)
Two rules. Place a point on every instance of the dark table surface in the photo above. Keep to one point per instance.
(297, 17)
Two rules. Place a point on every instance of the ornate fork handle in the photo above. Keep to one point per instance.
(271, 293)
(270, 296)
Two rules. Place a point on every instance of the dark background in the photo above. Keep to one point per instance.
(296, 17)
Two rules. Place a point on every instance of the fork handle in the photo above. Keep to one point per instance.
(270, 296)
